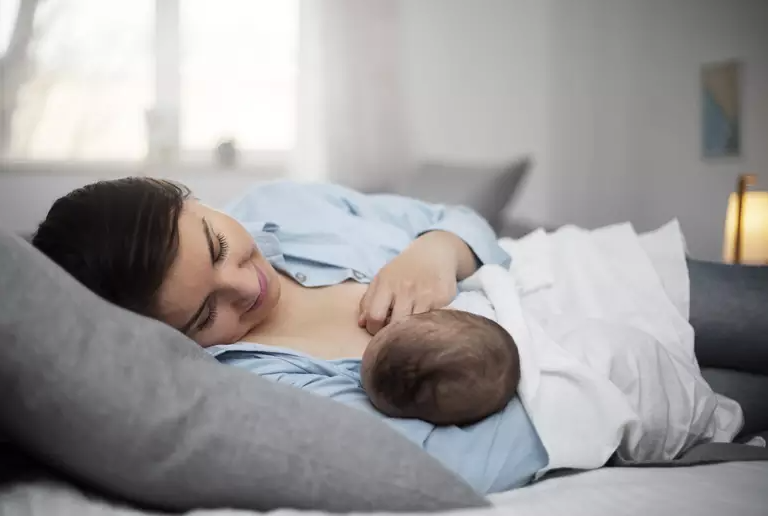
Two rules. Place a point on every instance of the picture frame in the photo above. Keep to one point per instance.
(721, 108)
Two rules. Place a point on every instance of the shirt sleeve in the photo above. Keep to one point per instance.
(418, 217)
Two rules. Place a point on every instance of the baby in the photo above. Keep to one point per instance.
(447, 367)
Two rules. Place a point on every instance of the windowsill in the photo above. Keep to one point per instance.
(114, 169)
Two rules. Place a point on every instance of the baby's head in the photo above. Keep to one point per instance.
(446, 367)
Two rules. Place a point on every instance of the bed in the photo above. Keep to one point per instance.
(84, 431)
(735, 488)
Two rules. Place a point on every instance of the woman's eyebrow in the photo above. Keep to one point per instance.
(209, 238)
(207, 232)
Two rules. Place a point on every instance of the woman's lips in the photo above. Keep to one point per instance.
(263, 285)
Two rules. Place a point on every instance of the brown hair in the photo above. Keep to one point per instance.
(444, 366)
(118, 238)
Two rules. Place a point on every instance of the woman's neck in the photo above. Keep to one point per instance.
(321, 321)
(288, 309)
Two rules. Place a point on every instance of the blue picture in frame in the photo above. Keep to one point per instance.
(721, 109)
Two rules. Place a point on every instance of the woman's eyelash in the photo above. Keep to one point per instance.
(223, 247)
(223, 250)
(208, 321)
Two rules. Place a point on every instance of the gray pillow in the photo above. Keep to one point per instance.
(485, 189)
(748, 389)
(728, 312)
(137, 410)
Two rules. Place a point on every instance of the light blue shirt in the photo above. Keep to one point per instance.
(325, 234)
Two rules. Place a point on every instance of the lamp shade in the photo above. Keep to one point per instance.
(754, 228)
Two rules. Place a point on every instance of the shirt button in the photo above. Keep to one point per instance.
(359, 275)
(301, 277)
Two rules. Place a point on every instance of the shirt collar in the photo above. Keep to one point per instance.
(264, 234)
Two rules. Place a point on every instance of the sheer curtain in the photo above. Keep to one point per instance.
(351, 121)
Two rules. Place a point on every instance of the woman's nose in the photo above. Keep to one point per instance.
(241, 283)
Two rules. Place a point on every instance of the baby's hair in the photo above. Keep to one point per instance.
(443, 366)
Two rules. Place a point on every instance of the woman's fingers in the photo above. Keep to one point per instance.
(401, 308)
(382, 305)
(364, 302)
(376, 309)
(421, 306)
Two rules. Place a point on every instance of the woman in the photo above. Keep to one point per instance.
(293, 273)
(298, 277)
(288, 261)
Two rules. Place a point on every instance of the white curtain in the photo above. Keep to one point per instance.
(351, 121)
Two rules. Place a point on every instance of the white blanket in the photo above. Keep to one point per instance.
(600, 319)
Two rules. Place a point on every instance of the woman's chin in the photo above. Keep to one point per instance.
(262, 314)
(266, 310)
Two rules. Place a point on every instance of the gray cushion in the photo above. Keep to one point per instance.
(134, 408)
(485, 189)
(518, 228)
(748, 389)
(728, 312)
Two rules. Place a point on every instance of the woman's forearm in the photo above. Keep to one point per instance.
(447, 246)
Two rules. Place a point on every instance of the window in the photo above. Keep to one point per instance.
(238, 73)
(88, 82)
(129, 80)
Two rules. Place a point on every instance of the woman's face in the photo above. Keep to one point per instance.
(219, 287)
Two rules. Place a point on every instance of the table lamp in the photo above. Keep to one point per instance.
(746, 225)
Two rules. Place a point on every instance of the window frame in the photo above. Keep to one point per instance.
(166, 47)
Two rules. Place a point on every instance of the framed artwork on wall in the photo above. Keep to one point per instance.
(721, 109)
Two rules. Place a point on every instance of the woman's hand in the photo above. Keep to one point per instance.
(421, 278)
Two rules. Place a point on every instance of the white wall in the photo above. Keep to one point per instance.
(670, 176)
(604, 93)
(26, 196)
(476, 83)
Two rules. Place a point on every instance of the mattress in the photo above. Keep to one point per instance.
(735, 488)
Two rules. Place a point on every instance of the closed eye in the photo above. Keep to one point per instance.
(223, 248)
(218, 254)
(210, 319)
